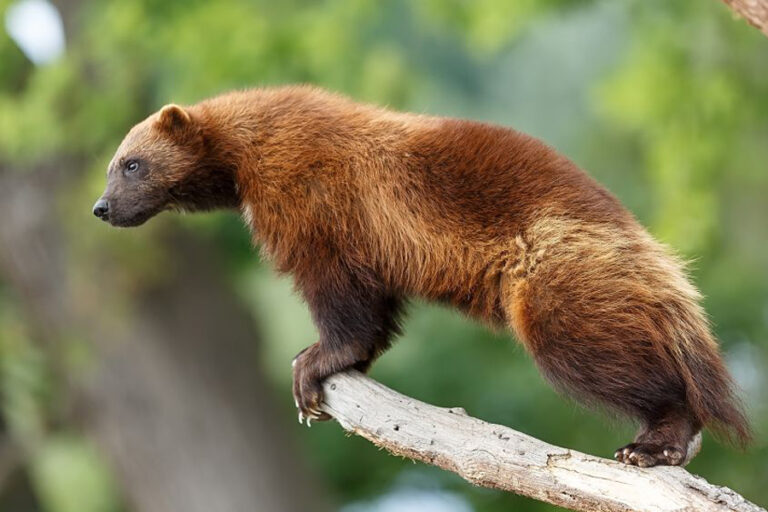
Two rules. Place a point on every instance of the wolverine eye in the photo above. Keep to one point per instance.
(132, 166)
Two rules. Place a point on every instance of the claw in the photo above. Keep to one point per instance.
(301, 418)
(309, 422)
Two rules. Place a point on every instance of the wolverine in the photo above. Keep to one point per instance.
(366, 208)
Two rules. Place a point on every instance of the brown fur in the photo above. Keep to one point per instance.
(367, 207)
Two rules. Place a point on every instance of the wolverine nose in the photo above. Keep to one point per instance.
(101, 209)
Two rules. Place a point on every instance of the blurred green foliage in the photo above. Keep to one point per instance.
(666, 102)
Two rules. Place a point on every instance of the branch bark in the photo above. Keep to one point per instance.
(754, 11)
(498, 457)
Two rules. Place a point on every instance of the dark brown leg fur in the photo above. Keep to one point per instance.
(672, 439)
(637, 384)
(356, 319)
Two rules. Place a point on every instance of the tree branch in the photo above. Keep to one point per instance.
(498, 457)
(754, 11)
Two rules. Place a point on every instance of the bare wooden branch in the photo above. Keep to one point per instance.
(754, 11)
(498, 457)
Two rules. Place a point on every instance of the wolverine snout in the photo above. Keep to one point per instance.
(101, 209)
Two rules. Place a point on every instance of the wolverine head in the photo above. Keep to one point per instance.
(162, 165)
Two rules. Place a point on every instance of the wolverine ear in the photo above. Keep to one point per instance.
(174, 119)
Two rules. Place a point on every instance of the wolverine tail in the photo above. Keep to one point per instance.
(710, 390)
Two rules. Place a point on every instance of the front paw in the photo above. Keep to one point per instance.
(309, 371)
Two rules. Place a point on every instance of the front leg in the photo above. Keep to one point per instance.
(356, 319)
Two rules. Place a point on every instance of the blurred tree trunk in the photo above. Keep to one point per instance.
(173, 396)
(175, 401)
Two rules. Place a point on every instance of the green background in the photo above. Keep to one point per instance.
(665, 102)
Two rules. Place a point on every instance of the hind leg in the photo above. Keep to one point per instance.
(607, 354)
(672, 439)
(611, 373)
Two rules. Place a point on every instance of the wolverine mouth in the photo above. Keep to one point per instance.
(132, 221)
